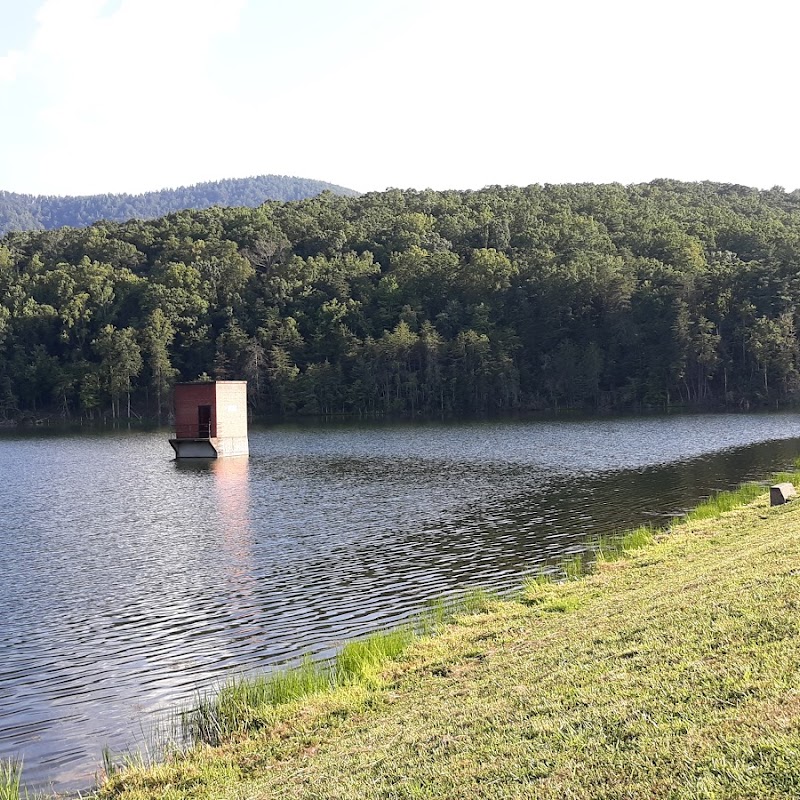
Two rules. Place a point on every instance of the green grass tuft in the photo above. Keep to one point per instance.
(575, 567)
(722, 502)
(308, 678)
(362, 660)
(476, 601)
(235, 708)
(786, 477)
(619, 545)
(10, 777)
(110, 766)
(560, 605)
(537, 584)
(442, 611)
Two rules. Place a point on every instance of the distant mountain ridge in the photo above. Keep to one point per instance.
(24, 212)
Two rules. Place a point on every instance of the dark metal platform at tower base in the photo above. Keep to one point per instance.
(212, 447)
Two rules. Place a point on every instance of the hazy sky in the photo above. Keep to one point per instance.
(131, 95)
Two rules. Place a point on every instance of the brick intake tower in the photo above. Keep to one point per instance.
(210, 419)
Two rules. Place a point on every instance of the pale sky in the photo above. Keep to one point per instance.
(134, 95)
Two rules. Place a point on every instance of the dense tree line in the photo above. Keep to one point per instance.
(24, 212)
(594, 296)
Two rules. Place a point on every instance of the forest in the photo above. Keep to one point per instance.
(506, 299)
(20, 212)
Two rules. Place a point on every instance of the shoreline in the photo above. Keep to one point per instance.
(379, 664)
(30, 421)
(481, 647)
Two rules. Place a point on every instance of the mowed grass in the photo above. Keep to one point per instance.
(671, 671)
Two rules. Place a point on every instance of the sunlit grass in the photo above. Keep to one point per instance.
(723, 502)
(441, 611)
(235, 707)
(574, 567)
(612, 547)
(11, 781)
(609, 547)
(362, 660)
(10, 776)
(242, 705)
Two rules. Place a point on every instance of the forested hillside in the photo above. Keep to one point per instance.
(592, 296)
(24, 212)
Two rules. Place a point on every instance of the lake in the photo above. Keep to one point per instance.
(132, 581)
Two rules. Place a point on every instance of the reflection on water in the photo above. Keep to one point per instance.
(131, 581)
(231, 488)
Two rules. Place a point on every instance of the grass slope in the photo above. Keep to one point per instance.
(674, 672)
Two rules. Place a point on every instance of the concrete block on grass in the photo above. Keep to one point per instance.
(781, 493)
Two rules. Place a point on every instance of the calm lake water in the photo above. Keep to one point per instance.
(130, 581)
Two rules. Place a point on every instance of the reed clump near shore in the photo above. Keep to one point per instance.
(10, 775)
(668, 665)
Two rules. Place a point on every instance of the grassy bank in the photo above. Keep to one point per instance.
(247, 705)
(672, 670)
